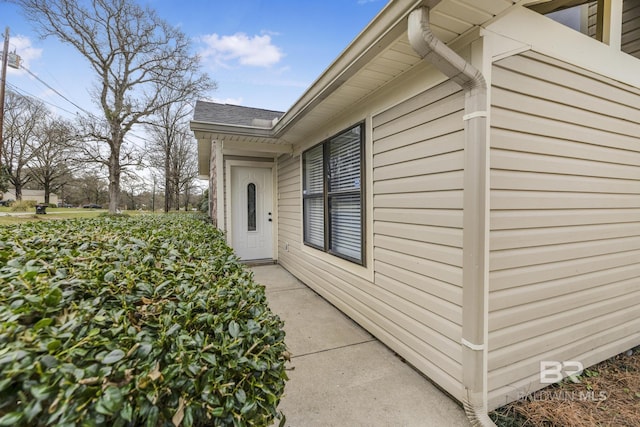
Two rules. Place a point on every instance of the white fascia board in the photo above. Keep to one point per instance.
(258, 147)
(225, 129)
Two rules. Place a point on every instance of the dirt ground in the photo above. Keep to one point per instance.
(607, 394)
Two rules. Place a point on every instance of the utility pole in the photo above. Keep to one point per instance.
(5, 58)
(3, 82)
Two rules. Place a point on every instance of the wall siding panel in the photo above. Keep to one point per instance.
(414, 303)
(565, 220)
(631, 27)
(418, 175)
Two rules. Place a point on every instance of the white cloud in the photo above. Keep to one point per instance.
(232, 101)
(24, 49)
(256, 51)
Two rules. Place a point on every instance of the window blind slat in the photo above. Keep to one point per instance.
(344, 162)
(313, 171)
(314, 221)
(346, 232)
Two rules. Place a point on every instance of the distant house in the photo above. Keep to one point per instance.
(37, 195)
(463, 181)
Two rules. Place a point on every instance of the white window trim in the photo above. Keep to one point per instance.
(612, 23)
(326, 196)
(365, 272)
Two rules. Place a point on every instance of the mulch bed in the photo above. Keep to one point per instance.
(607, 394)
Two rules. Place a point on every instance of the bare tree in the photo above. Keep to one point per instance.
(166, 131)
(92, 188)
(50, 167)
(22, 117)
(3, 181)
(172, 153)
(185, 166)
(133, 53)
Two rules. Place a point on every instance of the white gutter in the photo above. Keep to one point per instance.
(474, 323)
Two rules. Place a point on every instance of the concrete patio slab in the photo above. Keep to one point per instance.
(364, 385)
(313, 325)
(275, 278)
(341, 375)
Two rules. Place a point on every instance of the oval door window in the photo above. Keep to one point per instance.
(251, 207)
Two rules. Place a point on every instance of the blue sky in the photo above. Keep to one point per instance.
(261, 53)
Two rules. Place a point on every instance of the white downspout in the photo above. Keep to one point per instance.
(474, 346)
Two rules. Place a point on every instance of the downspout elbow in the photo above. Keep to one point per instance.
(436, 52)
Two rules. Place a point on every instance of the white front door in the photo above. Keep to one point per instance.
(251, 212)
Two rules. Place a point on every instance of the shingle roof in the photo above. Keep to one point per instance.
(213, 112)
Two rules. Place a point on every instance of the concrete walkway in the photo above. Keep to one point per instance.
(343, 376)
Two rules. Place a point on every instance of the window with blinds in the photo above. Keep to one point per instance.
(333, 195)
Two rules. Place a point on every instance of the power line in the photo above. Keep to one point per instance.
(66, 99)
(141, 138)
(130, 134)
(57, 92)
(24, 92)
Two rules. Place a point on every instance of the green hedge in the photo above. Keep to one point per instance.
(148, 320)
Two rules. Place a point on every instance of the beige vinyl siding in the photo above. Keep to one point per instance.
(417, 199)
(565, 220)
(414, 303)
(289, 210)
(631, 27)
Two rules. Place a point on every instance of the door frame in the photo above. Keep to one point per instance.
(271, 165)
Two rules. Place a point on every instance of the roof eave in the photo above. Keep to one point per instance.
(381, 31)
(237, 130)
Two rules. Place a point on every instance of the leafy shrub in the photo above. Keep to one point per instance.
(204, 203)
(115, 215)
(149, 320)
(23, 205)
